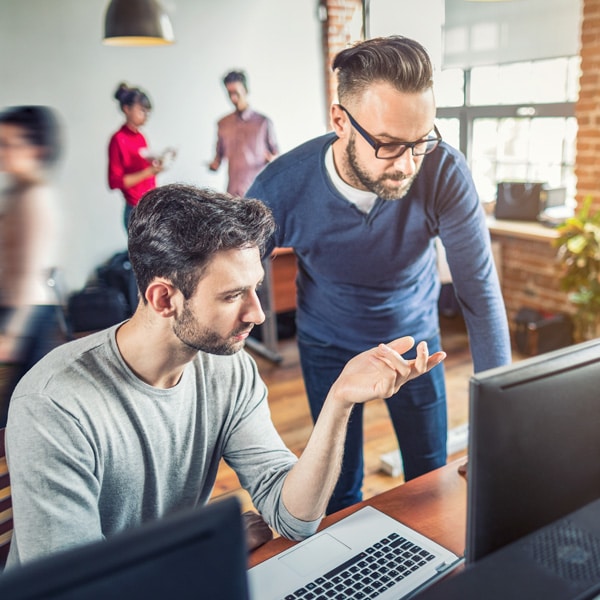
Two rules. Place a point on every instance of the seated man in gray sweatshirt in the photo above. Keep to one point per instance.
(127, 425)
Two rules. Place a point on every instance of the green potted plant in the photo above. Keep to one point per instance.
(579, 252)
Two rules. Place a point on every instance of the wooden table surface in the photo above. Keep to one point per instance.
(434, 504)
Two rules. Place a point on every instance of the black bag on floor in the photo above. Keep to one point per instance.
(97, 307)
(117, 273)
(536, 333)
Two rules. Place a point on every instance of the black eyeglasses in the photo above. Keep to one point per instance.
(396, 149)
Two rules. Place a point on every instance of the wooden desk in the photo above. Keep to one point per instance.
(434, 504)
(284, 269)
(278, 294)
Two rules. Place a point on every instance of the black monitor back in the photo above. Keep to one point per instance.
(534, 445)
(194, 554)
(519, 200)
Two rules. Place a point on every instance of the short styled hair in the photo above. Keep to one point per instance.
(397, 60)
(234, 76)
(175, 231)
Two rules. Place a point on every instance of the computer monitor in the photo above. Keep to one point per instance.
(519, 200)
(534, 445)
(194, 554)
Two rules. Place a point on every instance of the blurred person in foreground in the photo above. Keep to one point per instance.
(362, 207)
(245, 138)
(132, 168)
(127, 425)
(29, 234)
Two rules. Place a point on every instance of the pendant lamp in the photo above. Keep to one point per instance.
(137, 23)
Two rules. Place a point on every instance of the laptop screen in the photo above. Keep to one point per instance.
(196, 554)
(534, 443)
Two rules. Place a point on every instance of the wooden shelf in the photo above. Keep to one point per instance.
(528, 230)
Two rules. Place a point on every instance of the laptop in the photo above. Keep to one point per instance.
(367, 554)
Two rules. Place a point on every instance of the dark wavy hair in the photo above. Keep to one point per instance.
(176, 229)
(40, 127)
(398, 60)
(128, 96)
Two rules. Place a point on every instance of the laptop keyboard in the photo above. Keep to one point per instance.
(369, 573)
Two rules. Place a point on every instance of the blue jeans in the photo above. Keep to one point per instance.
(127, 215)
(41, 334)
(418, 413)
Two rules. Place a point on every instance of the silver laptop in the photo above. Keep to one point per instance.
(365, 555)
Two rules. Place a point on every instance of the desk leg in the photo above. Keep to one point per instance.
(268, 347)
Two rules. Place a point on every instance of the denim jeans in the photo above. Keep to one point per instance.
(418, 413)
(41, 334)
(127, 215)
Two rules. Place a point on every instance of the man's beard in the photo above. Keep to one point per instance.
(187, 330)
(377, 186)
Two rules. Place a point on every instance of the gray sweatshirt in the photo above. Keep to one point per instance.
(93, 450)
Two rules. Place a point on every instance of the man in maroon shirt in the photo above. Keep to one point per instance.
(246, 139)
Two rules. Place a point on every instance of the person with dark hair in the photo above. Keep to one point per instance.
(362, 207)
(129, 424)
(29, 233)
(131, 168)
(245, 138)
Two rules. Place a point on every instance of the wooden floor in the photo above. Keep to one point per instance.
(290, 413)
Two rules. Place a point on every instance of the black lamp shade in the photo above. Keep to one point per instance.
(137, 23)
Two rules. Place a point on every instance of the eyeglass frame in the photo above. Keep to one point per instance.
(406, 145)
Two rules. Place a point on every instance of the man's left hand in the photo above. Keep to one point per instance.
(257, 530)
(381, 371)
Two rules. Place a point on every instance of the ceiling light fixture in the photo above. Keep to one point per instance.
(137, 23)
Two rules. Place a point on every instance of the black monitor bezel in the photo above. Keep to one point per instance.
(211, 539)
(517, 481)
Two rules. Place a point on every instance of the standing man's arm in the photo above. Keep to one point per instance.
(216, 162)
(466, 239)
(271, 142)
(376, 373)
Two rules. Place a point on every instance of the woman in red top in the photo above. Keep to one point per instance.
(130, 168)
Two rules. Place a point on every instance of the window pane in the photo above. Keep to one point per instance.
(548, 79)
(485, 86)
(541, 81)
(574, 72)
(449, 87)
(483, 164)
(541, 149)
(450, 130)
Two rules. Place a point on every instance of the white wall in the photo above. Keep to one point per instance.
(399, 17)
(51, 53)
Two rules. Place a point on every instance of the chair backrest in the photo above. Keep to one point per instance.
(6, 523)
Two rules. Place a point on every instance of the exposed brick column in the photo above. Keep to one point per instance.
(587, 110)
(339, 19)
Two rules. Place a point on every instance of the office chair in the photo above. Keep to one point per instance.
(6, 523)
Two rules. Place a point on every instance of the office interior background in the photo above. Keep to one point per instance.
(507, 85)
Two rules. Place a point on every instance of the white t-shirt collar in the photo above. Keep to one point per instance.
(362, 199)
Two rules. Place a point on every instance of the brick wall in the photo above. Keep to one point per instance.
(587, 167)
(529, 274)
(342, 24)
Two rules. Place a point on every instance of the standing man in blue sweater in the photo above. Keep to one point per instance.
(361, 207)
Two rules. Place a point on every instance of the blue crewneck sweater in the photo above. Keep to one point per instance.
(368, 278)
